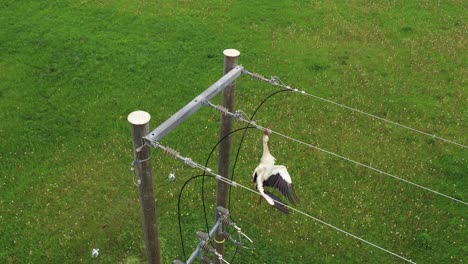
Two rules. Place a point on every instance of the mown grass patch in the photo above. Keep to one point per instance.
(71, 72)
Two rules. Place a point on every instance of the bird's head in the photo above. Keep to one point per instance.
(265, 135)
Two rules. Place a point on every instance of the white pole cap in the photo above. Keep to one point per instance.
(139, 117)
(231, 53)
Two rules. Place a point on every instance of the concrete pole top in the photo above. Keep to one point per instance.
(139, 117)
(231, 53)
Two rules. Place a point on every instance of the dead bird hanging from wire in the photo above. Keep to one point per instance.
(270, 175)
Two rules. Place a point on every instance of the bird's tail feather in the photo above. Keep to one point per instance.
(277, 205)
(294, 197)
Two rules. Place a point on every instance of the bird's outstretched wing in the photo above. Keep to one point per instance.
(281, 180)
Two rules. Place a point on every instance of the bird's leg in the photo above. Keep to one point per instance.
(260, 199)
(262, 192)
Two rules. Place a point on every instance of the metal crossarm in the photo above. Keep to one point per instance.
(175, 120)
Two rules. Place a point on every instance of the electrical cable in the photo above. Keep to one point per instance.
(242, 119)
(243, 137)
(252, 124)
(235, 161)
(218, 177)
(204, 172)
(367, 166)
(238, 153)
(287, 88)
(275, 81)
(178, 210)
(203, 194)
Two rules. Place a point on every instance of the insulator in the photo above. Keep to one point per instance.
(222, 210)
(203, 236)
(171, 152)
(257, 76)
(226, 235)
(223, 110)
(226, 221)
(206, 260)
(207, 248)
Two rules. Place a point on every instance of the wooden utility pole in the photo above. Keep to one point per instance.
(231, 57)
(140, 128)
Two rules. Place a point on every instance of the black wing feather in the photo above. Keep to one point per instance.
(287, 189)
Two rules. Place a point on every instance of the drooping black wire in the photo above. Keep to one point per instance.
(203, 183)
(206, 164)
(232, 174)
(235, 161)
(203, 194)
(238, 153)
(243, 137)
(178, 210)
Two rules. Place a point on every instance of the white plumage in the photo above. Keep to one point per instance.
(270, 175)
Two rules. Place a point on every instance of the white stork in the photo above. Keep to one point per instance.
(271, 175)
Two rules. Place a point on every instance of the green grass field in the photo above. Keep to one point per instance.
(71, 72)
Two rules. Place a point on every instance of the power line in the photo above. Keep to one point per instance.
(277, 82)
(191, 163)
(241, 117)
(240, 147)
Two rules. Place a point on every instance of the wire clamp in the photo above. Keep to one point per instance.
(190, 162)
(141, 147)
(133, 174)
(275, 80)
(239, 115)
(141, 161)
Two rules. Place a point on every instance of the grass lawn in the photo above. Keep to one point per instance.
(71, 72)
